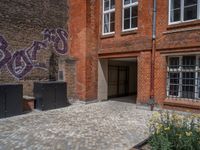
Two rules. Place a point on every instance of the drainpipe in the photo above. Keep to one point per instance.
(152, 99)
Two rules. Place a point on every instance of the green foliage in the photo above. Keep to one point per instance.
(174, 131)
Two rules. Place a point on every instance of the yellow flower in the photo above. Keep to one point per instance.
(188, 133)
(166, 129)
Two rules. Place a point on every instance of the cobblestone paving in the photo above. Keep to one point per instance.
(101, 126)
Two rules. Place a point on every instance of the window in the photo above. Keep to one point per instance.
(130, 15)
(183, 79)
(108, 16)
(183, 10)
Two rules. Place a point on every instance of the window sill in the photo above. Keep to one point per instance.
(107, 36)
(129, 32)
(183, 25)
(182, 103)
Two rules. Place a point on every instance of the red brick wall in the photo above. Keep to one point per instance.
(179, 36)
(144, 77)
(83, 26)
(179, 39)
(135, 43)
(87, 44)
(21, 23)
(129, 41)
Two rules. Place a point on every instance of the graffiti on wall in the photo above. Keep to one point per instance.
(21, 62)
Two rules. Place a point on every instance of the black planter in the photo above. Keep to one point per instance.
(141, 144)
(11, 100)
(50, 95)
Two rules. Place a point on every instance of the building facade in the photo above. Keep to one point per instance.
(121, 56)
(105, 48)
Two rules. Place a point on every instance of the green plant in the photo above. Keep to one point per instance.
(172, 131)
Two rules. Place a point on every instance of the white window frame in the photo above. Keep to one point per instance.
(182, 13)
(128, 6)
(180, 71)
(107, 12)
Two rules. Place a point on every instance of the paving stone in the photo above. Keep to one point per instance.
(106, 125)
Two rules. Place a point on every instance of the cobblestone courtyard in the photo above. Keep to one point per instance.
(100, 126)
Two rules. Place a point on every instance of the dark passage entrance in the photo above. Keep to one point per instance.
(118, 78)
(122, 79)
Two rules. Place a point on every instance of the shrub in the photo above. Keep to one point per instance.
(173, 131)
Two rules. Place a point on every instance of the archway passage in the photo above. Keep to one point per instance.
(117, 79)
(122, 79)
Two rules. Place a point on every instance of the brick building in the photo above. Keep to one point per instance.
(113, 48)
(118, 56)
(33, 43)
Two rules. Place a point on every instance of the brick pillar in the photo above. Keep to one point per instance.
(144, 77)
(160, 78)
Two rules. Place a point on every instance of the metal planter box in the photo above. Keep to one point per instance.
(11, 98)
(50, 95)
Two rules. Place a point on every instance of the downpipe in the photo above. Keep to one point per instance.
(153, 52)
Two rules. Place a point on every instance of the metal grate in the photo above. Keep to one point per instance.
(183, 77)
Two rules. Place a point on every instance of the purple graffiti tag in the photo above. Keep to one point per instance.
(32, 54)
(58, 38)
(61, 42)
(19, 65)
(5, 55)
(49, 35)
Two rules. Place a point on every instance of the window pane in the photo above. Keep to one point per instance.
(106, 28)
(127, 24)
(175, 15)
(112, 27)
(134, 14)
(112, 22)
(126, 2)
(175, 10)
(175, 4)
(173, 90)
(188, 92)
(190, 2)
(126, 13)
(190, 12)
(199, 84)
(198, 62)
(134, 22)
(106, 4)
(174, 78)
(189, 62)
(188, 82)
(188, 78)
(106, 23)
(112, 5)
(112, 17)
(174, 62)
(106, 18)
(134, 11)
(174, 84)
(133, 1)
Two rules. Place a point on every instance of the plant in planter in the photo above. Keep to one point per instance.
(53, 67)
(172, 131)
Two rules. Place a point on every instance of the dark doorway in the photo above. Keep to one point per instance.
(118, 81)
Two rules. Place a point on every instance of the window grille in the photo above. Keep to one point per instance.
(183, 77)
